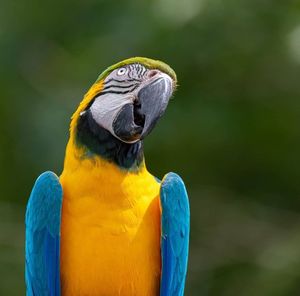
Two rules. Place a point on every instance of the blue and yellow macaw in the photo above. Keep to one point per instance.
(106, 226)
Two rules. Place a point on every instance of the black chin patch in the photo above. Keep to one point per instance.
(99, 141)
(126, 126)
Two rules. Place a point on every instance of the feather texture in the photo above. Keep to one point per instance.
(42, 247)
(175, 235)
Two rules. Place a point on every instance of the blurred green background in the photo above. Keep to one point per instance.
(232, 131)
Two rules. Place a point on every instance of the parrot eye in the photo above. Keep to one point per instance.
(121, 71)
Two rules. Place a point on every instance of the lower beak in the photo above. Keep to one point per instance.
(152, 100)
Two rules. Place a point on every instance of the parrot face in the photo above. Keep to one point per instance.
(132, 100)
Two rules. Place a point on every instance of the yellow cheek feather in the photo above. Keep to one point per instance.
(92, 92)
(110, 233)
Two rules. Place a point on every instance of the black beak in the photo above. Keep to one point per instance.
(152, 102)
(135, 121)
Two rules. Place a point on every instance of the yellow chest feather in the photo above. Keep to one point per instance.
(110, 235)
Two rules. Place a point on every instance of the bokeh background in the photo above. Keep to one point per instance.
(232, 131)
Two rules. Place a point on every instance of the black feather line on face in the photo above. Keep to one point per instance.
(130, 72)
(117, 92)
(125, 80)
(140, 71)
(119, 86)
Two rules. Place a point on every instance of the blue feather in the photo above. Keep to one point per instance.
(42, 246)
(175, 235)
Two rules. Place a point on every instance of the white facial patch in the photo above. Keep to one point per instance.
(106, 107)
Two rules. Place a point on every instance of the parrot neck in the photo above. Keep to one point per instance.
(98, 142)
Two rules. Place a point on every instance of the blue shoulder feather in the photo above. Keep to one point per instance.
(175, 235)
(42, 246)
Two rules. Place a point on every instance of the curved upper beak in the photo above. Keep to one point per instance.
(136, 119)
(152, 100)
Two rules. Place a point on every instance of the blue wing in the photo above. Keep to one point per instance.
(42, 247)
(175, 235)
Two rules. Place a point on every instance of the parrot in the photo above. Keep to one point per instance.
(106, 226)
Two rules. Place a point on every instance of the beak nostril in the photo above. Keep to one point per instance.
(152, 73)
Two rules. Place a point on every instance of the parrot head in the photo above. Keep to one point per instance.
(124, 104)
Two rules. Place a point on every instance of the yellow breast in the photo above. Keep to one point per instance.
(110, 235)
